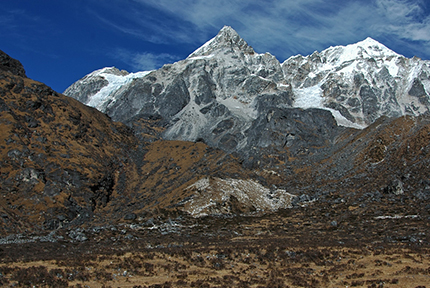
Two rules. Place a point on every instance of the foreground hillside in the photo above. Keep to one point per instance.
(66, 164)
(88, 201)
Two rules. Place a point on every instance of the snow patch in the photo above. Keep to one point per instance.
(115, 82)
(368, 48)
(342, 121)
(200, 185)
(202, 49)
(396, 217)
(392, 67)
(311, 97)
(200, 57)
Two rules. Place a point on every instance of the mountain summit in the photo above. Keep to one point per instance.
(360, 82)
(368, 48)
(227, 38)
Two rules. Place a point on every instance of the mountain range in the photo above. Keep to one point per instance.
(224, 132)
(222, 90)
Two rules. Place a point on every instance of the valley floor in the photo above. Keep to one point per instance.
(245, 265)
(290, 248)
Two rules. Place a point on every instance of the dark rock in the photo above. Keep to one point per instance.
(296, 127)
(173, 99)
(223, 126)
(32, 175)
(52, 189)
(8, 64)
(3, 106)
(130, 216)
(228, 142)
(396, 188)
(77, 235)
(31, 122)
(205, 88)
(418, 90)
(369, 102)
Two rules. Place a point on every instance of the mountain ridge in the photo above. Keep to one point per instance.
(227, 37)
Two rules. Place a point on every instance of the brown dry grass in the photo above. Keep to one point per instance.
(244, 265)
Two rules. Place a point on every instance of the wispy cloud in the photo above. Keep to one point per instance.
(13, 21)
(152, 24)
(282, 27)
(143, 61)
(133, 29)
(288, 26)
(406, 19)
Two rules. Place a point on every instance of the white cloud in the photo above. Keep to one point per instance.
(278, 26)
(282, 27)
(274, 26)
(143, 61)
(405, 19)
(116, 25)
(141, 23)
(150, 61)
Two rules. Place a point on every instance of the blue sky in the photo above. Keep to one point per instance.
(60, 41)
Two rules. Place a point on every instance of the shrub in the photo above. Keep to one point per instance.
(35, 276)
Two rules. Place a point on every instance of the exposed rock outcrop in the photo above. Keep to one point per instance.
(8, 64)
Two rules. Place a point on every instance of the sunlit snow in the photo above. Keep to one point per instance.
(311, 97)
(115, 82)
(308, 97)
(366, 49)
(200, 57)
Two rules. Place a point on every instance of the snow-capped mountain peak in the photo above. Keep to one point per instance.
(361, 81)
(368, 48)
(226, 38)
(375, 49)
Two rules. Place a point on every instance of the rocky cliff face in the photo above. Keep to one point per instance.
(224, 94)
